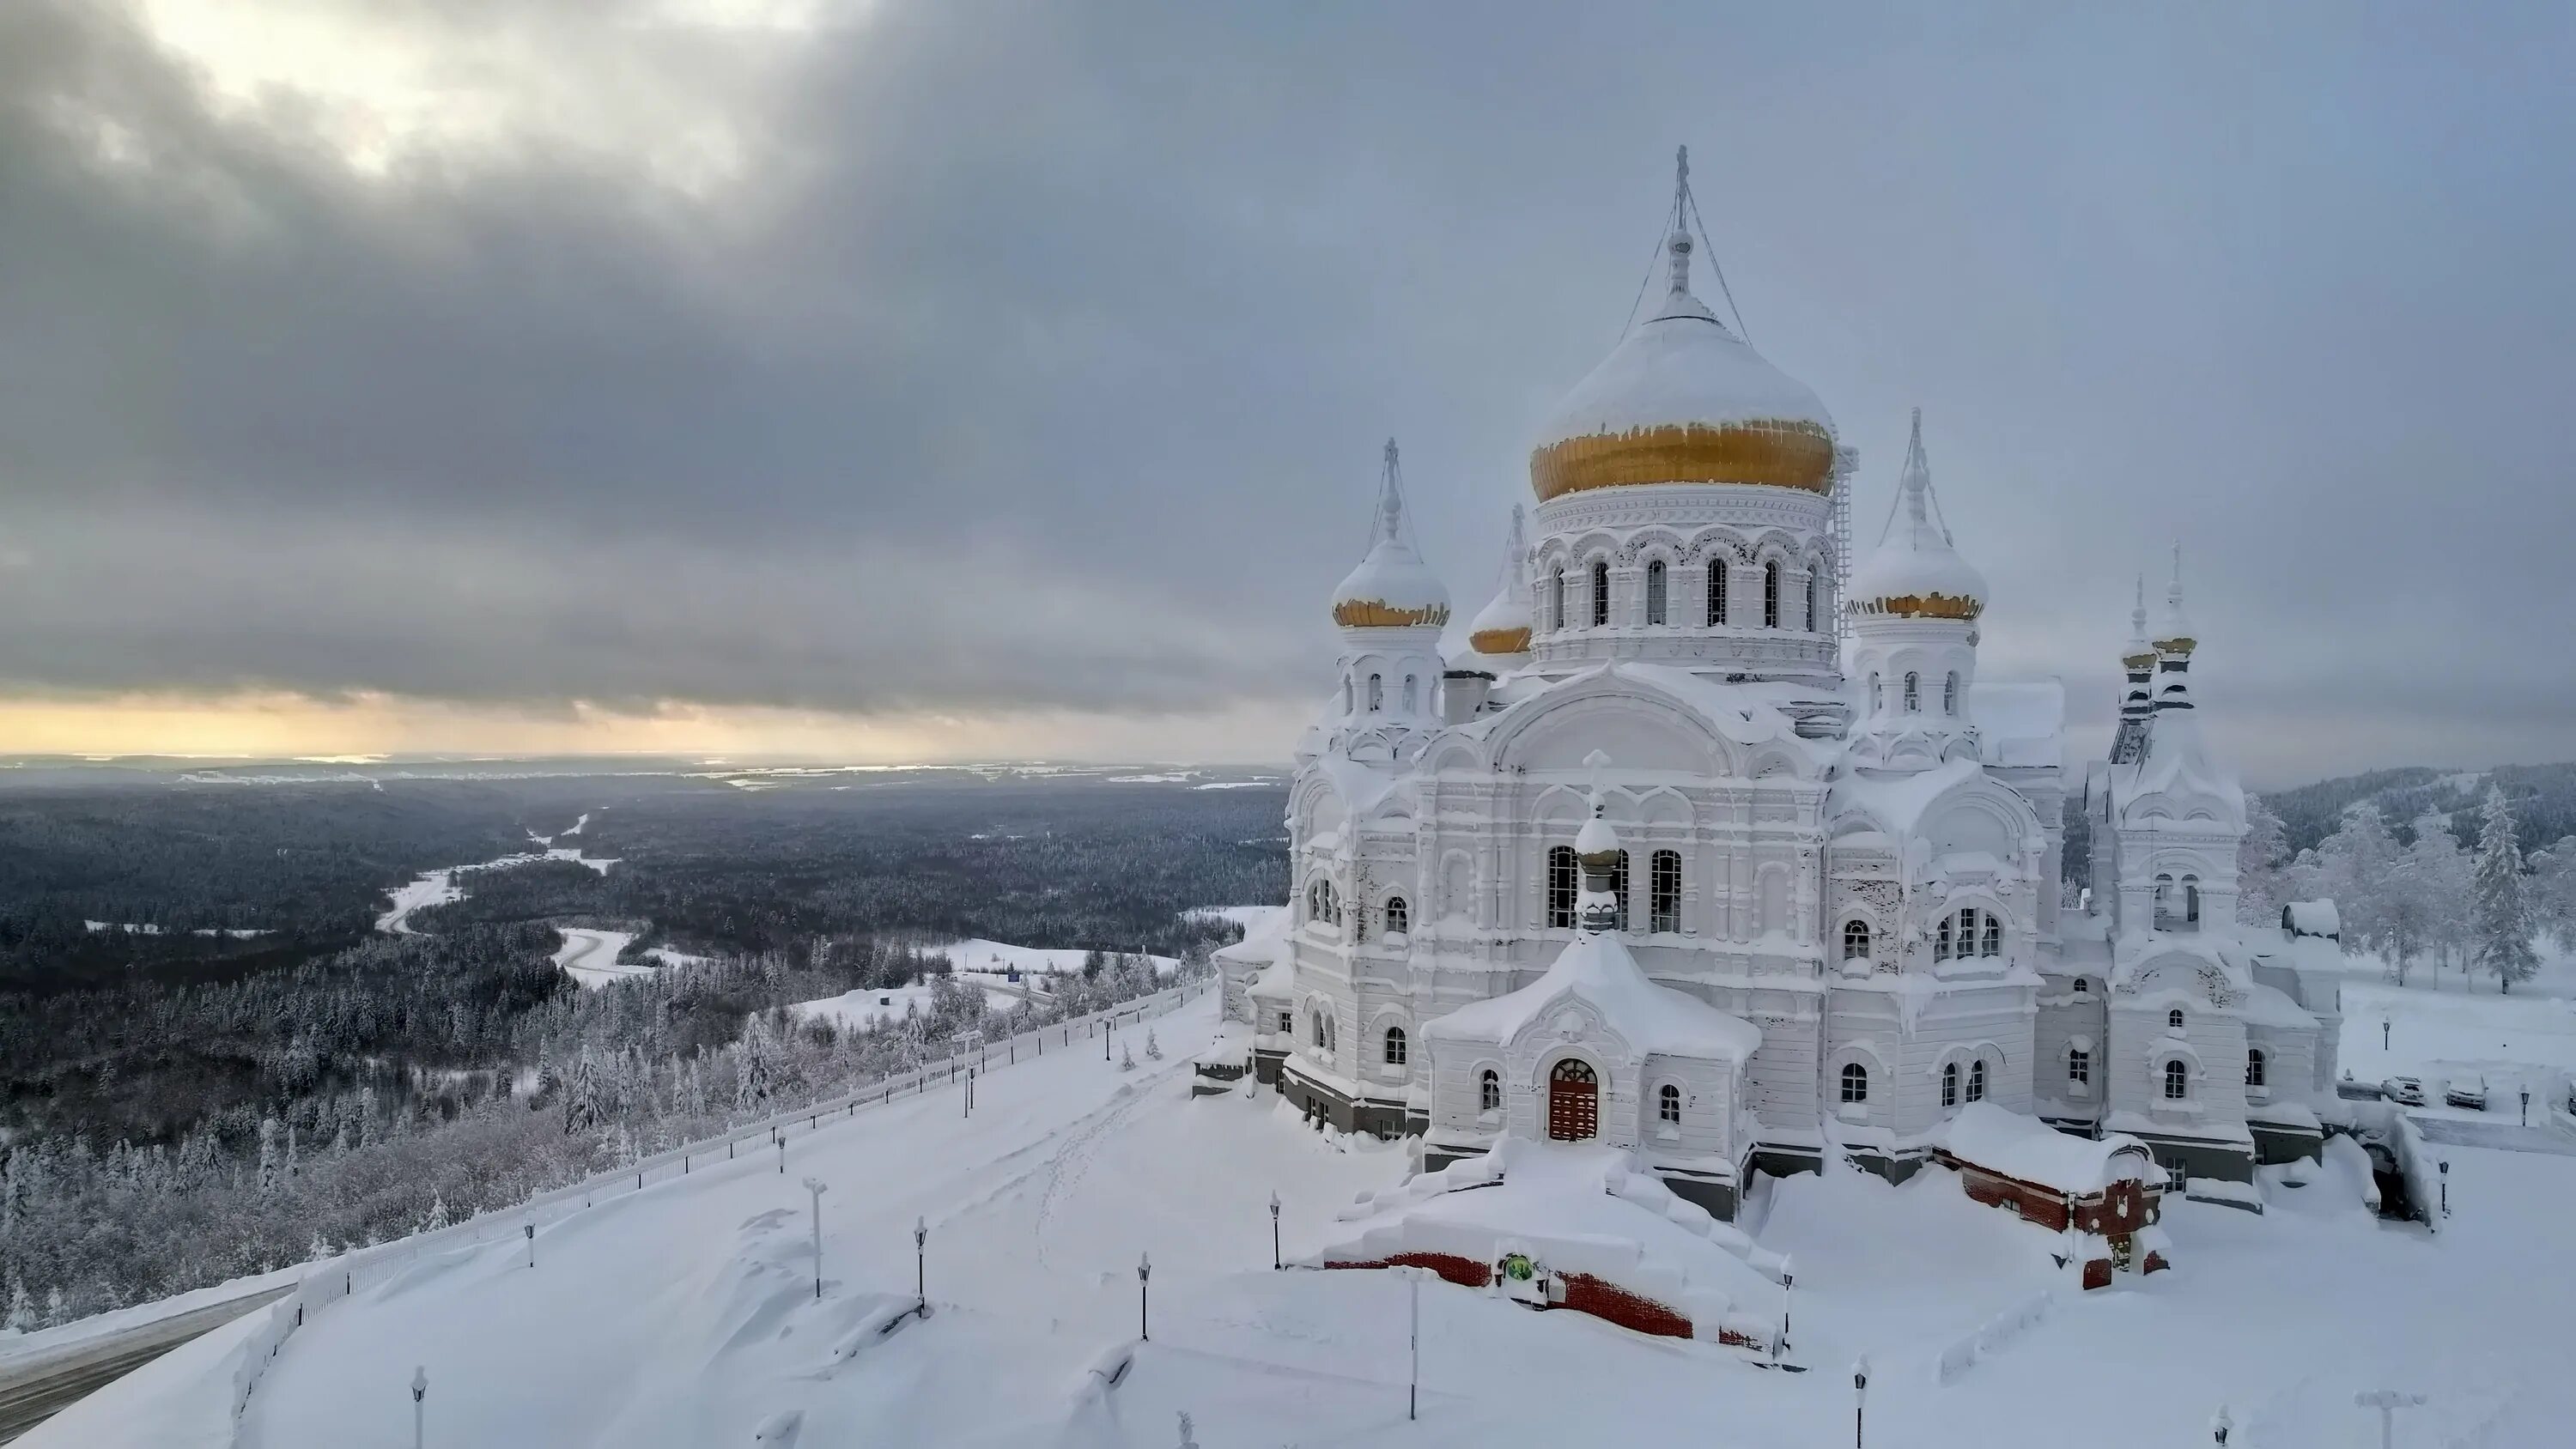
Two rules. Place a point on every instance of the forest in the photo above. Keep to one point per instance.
(182, 1108)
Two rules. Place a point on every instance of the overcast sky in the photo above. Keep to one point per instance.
(934, 377)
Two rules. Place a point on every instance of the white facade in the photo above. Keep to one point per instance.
(1853, 849)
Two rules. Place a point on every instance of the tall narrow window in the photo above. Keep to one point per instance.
(1941, 939)
(1346, 694)
(1489, 1092)
(1655, 592)
(2177, 1081)
(1619, 892)
(1409, 681)
(1990, 935)
(1718, 567)
(2191, 900)
(1855, 1082)
(2079, 1066)
(2173, 1019)
(1377, 693)
(1600, 594)
(1950, 694)
(1855, 940)
(1950, 1084)
(1977, 1080)
(1913, 693)
(1398, 917)
(1816, 621)
(2254, 1069)
(1396, 1046)
(1556, 599)
(1668, 1104)
(1664, 888)
(1875, 701)
(1771, 594)
(1560, 887)
(2164, 902)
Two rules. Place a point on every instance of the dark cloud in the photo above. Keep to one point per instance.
(1035, 356)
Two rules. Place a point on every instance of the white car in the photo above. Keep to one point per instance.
(2469, 1092)
(2406, 1090)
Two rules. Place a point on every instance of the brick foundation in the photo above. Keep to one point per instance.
(1583, 1293)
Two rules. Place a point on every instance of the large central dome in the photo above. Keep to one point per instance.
(1683, 400)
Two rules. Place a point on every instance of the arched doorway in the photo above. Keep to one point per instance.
(1573, 1102)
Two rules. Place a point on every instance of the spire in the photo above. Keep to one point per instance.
(1681, 242)
(1916, 480)
(2174, 636)
(1390, 501)
(2138, 613)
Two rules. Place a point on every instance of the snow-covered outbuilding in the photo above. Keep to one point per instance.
(2104, 1188)
(1832, 913)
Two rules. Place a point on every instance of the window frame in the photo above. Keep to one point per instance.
(1394, 1048)
(2177, 1080)
(1563, 885)
(1949, 1085)
(1718, 568)
(1861, 927)
(1664, 891)
(1600, 593)
(1668, 1105)
(1655, 592)
(1855, 1084)
(1771, 593)
(1489, 1091)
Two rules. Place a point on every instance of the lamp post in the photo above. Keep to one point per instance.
(1274, 1231)
(2526, 1106)
(2383, 1033)
(530, 1229)
(2387, 1402)
(2446, 1187)
(1860, 1397)
(1144, 1272)
(2220, 1427)
(419, 1391)
(921, 1264)
(1788, 1281)
(1413, 1386)
(1105, 1033)
(816, 1189)
(782, 1152)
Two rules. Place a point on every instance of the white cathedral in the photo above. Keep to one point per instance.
(1834, 853)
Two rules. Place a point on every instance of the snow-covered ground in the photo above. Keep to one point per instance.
(684, 1315)
(995, 957)
(590, 957)
(865, 1008)
(438, 887)
(2509, 1042)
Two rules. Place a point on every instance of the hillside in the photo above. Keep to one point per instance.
(2544, 801)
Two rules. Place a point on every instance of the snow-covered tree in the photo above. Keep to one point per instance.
(268, 1155)
(2428, 895)
(2502, 925)
(2354, 866)
(583, 1102)
(22, 1307)
(1153, 1048)
(437, 1217)
(2553, 891)
(1127, 1058)
(752, 1067)
(2262, 861)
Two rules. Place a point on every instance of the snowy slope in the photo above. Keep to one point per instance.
(683, 1315)
(870, 1007)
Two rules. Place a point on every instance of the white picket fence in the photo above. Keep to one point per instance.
(332, 1279)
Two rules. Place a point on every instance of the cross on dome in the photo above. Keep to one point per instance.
(1681, 242)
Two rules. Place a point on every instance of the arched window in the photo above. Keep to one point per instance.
(1600, 594)
(1346, 694)
(2164, 901)
(2079, 1066)
(1816, 622)
(1949, 1084)
(2177, 1080)
(1855, 940)
(1718, 568)
(1771, 594)
(2191, 900)
(1319, 901)
(1556, 599)
(1977, 1080)
(1619, 892)
(1319, 1029)
(2173, 1018)
(1409, 682)
(1560, 887)
(1855, 1082)
(1489, 1092)
(1664, 891)
(1913, 692)
(1668, 1104)
(1655, 592)
(1395, 1046)
(2082, 986)
(1875, 699)
(1950, 694)
(1399, 919)
(1377, 693)
(2254, 1069)
(1990, 935)
(1941, 939)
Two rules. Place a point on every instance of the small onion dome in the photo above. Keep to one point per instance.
(2174, 633)
(1392, 588)
(1503, 627)
(1683, 400)
(1596, 844)
(2138, 654)
(1916, 574)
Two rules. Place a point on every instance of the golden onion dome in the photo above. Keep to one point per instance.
(1502, 627)
(1916, 573)
(1392, 588)
(1683, 400)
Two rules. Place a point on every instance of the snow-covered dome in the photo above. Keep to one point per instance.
(2174, 633)
(1916, 574)
(1392, 588)
(1502, 627)
(1683, 400)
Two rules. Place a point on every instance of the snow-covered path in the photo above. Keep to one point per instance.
(438, 887)
(590, 957)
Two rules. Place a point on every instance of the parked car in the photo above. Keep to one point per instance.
(2408, 1090)
(2469, 1092)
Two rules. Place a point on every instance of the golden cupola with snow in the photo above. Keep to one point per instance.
(1389, 612)
(1914, 607)
(1686, 492)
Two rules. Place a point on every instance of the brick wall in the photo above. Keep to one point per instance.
(1587, 1294)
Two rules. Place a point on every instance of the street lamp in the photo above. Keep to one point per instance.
(530, 1228)
(816, 1188)
(2446, 1187)
(921, 1264)
(1788, 1281)
(782, 1152)
(419, 1391)
(1860, 1396)
(2526, 1106)
(1274, 1231)
(1144, 1271)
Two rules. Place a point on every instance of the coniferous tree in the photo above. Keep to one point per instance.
(2503, 924)
(2261, 860)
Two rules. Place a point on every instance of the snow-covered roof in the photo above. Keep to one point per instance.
(1596, 969)
(2312, 918)
(2030, 1150)
(1896, 803)
(2178, 762)
(1277, 981)
(1680, 367)
(2020, 721)
(1264, 931)
(1501, 630)
(1392, 588)
(1915, 572)
(2271, 1006)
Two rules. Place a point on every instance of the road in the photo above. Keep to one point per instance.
(43, 1385)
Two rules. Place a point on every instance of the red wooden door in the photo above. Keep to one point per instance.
(1573, 1103)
